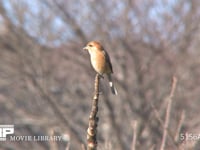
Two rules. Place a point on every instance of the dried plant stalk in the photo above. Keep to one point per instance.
(93, 119)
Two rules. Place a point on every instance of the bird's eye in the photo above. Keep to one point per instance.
(90, 45)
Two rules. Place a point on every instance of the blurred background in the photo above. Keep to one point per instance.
(47, 82)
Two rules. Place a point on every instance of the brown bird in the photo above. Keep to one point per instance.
(100, 61)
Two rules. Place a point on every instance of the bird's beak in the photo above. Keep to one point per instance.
(85, 48)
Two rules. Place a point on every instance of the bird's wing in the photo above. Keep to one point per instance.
(108, 60)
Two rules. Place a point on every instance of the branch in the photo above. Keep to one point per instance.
(134, 124)
(180, 124)
(93, 119)
(167, 117)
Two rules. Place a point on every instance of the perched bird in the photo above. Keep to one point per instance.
(100, 61)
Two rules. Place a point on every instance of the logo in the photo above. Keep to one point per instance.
(5, 130)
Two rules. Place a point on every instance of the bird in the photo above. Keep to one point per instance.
(100, 61)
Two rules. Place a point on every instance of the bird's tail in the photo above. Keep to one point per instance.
(113, 89)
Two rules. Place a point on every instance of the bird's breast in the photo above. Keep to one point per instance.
(98, 62)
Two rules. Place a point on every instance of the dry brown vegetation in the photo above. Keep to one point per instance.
(46, 80)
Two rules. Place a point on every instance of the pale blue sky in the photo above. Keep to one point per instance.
(32, 18)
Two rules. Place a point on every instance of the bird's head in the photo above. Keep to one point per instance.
(93, 46)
